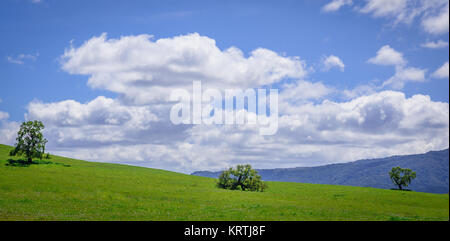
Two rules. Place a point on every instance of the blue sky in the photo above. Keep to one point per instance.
(35, 35)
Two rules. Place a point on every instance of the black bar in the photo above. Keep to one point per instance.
(272, 230)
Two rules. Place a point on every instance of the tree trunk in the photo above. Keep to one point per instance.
(29, 160)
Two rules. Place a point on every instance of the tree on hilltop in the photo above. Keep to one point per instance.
(30, 141)
(402, 177)
(243, 177)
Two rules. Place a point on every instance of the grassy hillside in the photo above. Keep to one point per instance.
(69, 189)
(432, 172)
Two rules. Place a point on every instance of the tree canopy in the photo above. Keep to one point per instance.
(402, 177)
(243, 177)
(30, 141)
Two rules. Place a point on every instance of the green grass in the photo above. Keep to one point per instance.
(68, 189)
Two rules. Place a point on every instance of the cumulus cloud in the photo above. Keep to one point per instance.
(8, 132)
(8, 129)
(437, 24)
(146, 71)
(435, 44)
(432, 14)
(103, 121)
(303, 90)
(403, 73)
(335, 5)
(101, 111)
(388, 56)
(315, 134)
(376, 125)
(442, 72)
(368, 121)
(134, 128)
(360, 90)
(333, 61)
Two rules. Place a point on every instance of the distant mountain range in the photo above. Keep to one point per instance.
(432, 170)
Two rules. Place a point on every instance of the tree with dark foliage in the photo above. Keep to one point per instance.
(402, 177)
(30, 141)
(243, 177)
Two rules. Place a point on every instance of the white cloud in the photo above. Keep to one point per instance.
(335, 5)
(102, 121)
(14, 61)
(377, 125)
(333, 61)
(437, 24)
(442, 72)
(435, 45)
(101, 110)
(312, 129)
(21, 58)
(3, 115)
(8, 129)
(146, 71)
(384, 112)
(8, 132)
(432, 14)
(383, 8)
(388, 56)
(309, 134)
(303, 90)
(360, 90)
(404, 75)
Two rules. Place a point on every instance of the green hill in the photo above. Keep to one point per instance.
(432, 172)
(68, 189)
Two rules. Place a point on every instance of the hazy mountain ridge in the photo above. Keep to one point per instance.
(432, 172)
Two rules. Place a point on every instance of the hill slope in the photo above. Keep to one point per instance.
(69, 189)
(432, 172)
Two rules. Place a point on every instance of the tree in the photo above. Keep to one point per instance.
(402, 177)
(30, 141)
(243, 177)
